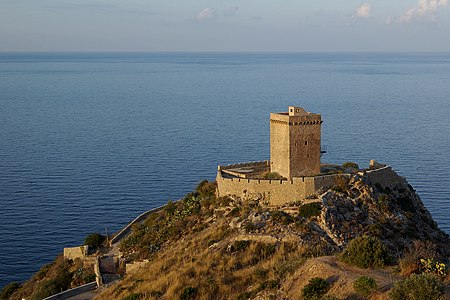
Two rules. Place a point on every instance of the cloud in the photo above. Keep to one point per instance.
(425, 9)
(206, 14)
(363, 11)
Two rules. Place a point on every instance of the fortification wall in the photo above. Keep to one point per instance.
(278, 192)
(384, 176)
(247, 164)
(76, 252)
(272, 192)
(127, 229)
(133, 267)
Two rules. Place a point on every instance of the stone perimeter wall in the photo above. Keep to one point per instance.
(279, 192)
(384, 176)
(76, 252)
(273, 192)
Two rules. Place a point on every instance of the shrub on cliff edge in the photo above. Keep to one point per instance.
(418, 287)
(365, 285)
(94, 240)
(8, 290)
(366, 251)
(315, 289)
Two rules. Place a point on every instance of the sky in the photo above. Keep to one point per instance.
(225, 25)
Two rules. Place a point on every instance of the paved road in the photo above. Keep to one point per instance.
(85, 296)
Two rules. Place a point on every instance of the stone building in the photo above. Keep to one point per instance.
(295, 149)
(295, 143)
(293, 171)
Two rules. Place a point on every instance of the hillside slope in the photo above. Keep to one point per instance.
(204, 247)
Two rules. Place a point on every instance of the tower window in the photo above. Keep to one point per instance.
(306, 143)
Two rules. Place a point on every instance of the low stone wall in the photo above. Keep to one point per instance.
(76, 252)
(273, 192)
(133, 267)
(384, 176)
(247, 164)
(278, 192)
(74, 292)
(126, 230)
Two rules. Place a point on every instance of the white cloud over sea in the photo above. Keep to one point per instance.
(425, 9)
(363, 11)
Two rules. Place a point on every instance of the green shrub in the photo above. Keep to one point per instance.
(435, 267)
(340, 184)
(281, 217)
(206, 189)
(316, 288)
(249, 227)
(410, 262)
(239, 246)
(264, 250)
(269, 284)
(418, 287)
(365, 251)
(156, 294)
(350, 165)
(46, 288)
(94, 240)
(188, 292)
(365, 285)
(235, 212)
(134, 296)
(310, 210)
(272, 175)
(89, 278)
(8, 290)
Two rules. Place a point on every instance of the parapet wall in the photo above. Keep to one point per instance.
(384, 176)
(247, 164)
(127, 229)
(279, 192)
(76, 252)
(273, 192)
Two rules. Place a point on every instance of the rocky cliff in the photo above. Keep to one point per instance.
(225, 248)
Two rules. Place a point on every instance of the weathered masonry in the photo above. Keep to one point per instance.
(294, 171)
(295, 143)
(270, 191)
(294, 157)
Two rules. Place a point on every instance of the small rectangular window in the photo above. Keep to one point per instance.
(306, 143)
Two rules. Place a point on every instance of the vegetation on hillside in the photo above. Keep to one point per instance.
(204, 247)
(51, 279)
(366, 252)
(94, 240)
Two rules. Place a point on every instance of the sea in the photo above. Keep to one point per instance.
(90, 140)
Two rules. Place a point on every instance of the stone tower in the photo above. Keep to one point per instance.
(295, 143)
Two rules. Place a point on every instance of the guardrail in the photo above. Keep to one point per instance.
(74, 292)
(122, 233)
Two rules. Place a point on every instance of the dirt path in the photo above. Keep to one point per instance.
(341, 276)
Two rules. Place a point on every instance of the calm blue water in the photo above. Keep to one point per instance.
(88, 141)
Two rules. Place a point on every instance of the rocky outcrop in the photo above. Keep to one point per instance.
(396, 214)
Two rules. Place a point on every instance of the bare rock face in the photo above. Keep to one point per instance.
(395, 214)
(355, 206)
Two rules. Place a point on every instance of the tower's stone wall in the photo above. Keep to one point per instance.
(295, 143)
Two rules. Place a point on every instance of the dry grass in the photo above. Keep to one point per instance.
(227, 269)
(410, 262)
